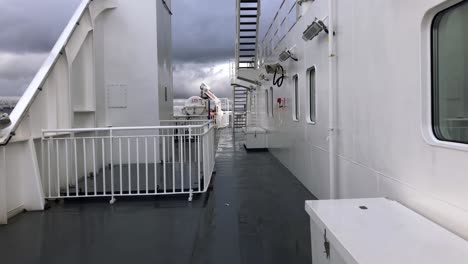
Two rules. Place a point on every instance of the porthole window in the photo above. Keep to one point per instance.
(272, 101)
(312, 116)
(450, 74)
(296, 98)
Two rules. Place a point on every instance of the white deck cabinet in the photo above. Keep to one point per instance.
(371, 231)
(255, 138)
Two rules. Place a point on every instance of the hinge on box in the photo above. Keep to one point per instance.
(326, 244)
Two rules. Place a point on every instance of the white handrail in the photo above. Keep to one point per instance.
(100, 129)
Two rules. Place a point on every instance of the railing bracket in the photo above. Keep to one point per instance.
(190, 199)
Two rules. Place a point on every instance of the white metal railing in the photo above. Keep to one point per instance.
(285, 19)
(128, 161)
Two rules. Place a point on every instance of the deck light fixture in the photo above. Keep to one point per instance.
(286, 55)
(272, 68)
(4, 120)
(314, 29)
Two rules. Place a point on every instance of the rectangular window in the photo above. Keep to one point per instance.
(272, 101)
(165, 94)
(267, 104)
(449, 74)
(296, 98)
(312, 95)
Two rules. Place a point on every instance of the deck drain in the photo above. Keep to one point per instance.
(362, 207)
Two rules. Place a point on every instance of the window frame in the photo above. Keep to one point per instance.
(267, 104)
(434, 87)
(309, 118)
(272, 102)
(296, 105)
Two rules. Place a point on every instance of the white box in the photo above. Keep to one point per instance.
(379, 231)
(255, 138)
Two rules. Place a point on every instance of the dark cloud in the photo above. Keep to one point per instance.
(203, 39)
(188, 76)
(203, 30)
(33, 25)
(204, 34)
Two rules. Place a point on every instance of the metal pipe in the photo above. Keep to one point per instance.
(76, 168)
(120, 166)
(96, 129)
(155, 165)
(332, 101)
(103, 167)
(138, 165)
(94, 167)
(129, 167)
(146, 165)
(58, 166)
(66, 167)
(85, 167)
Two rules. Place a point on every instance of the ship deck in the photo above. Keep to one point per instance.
(253, 214)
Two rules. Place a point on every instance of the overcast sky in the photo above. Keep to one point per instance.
(203, 38)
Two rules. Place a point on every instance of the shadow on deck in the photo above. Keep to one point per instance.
(254, 214)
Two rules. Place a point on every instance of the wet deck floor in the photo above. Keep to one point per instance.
(254, 214)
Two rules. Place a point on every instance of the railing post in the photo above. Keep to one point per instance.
(190, 165)
(111, 155)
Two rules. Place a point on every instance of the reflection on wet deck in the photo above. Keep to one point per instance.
(254, 214)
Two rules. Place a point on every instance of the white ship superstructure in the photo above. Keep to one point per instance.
(355, 109)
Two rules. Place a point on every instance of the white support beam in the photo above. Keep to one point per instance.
(33, 194)
(3, 195)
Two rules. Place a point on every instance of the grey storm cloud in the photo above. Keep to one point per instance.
(33, 26)
(203, 33)
(188, 77)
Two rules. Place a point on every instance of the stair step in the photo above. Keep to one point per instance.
(248, 30)
(247, 49)
(248, 43)
(248, 16)
(247, 56)
(248, 23)
(248, 8)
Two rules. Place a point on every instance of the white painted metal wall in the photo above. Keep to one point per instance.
(385, 146)
(110, 67)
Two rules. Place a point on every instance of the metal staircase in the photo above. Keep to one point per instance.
(240, 107)
(248, 18)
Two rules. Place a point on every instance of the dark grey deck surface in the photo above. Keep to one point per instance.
(133, 184)
(254, 214)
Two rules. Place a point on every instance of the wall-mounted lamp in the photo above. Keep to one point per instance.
(286, 55)
(272, 68)
(4, 120)
(314, 29)
(302, 1)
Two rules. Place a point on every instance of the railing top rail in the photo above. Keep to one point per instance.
(35, 86)
(184, 120)
(101, 129)
(280, 21)
(273, 21)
